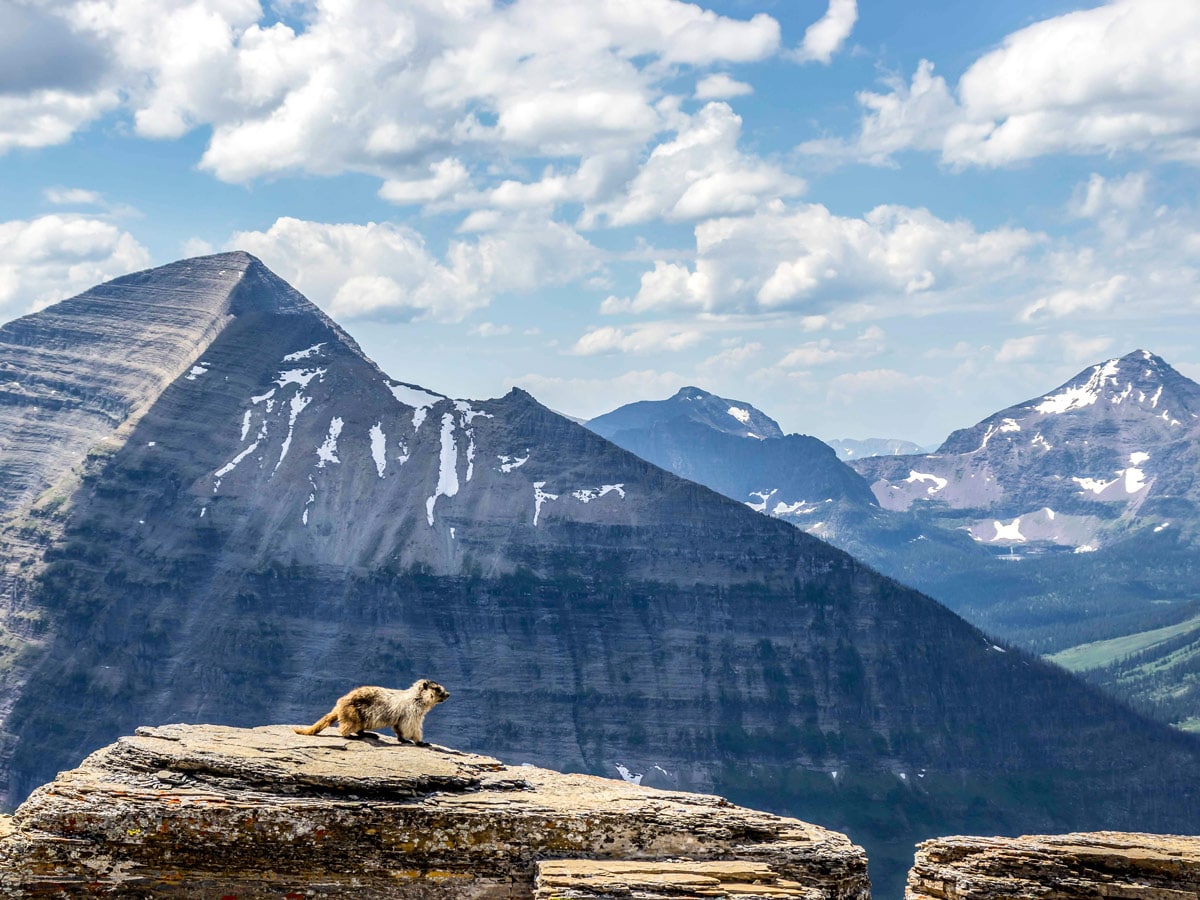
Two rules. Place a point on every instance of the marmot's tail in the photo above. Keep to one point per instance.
(320, 725)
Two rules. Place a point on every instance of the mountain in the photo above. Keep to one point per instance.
(1066, 523)
(1093, 490)
(690, 404)
(1117, 445)
(735, 449)
(847, 448)
(239, 516)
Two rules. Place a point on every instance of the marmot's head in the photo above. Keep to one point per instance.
(430, 692)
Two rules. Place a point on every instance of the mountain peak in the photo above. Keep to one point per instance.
(696, 404)
(1139, 377)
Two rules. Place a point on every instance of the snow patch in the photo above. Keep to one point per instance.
(508, 463)
(764, 497)
(1039, 441)
(420, 400)
(327, 452)
(379, 447)
(245, 425)
(1135, 480)
(1085, 548)
(304, 354)
(1157, 395)
(1079, 396)
(1095, 485)
(922, 477)
(233, 464)
(447, 485)
(540, 497)
(312, 497)
(628, 776)
(197, 370)
(296, 406)
(1009, 532)
(299, 376)
(587, 495)
(468, 413)
(1138, 457)
(1159, 528)
(261, 397)
(799, 508)
(742, 415)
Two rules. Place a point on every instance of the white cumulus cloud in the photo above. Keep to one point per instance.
(1121, 77)
(653, 337)
(699, 174)
(52, 257)
(809, 259)
(383, 270)
(826, 36)
(719, 86)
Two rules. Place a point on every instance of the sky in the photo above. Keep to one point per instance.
(868, 219)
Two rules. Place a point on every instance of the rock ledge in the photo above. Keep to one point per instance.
(210, 811)
(1057, 867)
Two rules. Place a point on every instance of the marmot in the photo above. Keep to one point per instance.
(376, 707)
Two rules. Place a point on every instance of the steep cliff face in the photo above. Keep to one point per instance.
(205, 811)
(285, 521)
(1061, 867)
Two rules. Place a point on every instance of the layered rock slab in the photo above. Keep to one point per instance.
(211, 811)
(1057, 867)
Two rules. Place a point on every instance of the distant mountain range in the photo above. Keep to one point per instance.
(847, 448)
(217, 509)
(1068, 520)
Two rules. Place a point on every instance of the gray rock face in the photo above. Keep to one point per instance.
(284, 522)
(206, 811)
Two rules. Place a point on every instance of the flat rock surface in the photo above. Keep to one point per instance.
(573, 879)
(1057, 867)
(213, 811)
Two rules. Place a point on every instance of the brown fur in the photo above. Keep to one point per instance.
(376, 707)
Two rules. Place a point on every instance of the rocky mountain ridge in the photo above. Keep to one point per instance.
(284, 521)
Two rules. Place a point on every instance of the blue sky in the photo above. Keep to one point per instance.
(868, 219)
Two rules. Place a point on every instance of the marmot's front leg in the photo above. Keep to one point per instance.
(400, 736)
